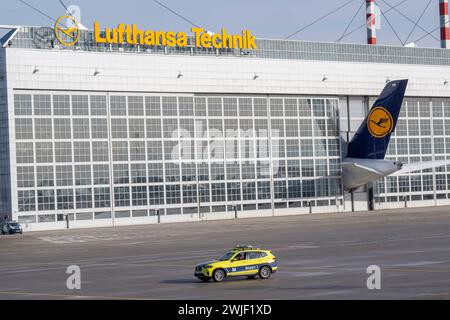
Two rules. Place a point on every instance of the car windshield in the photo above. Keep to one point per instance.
(226, 256)
(14, 224)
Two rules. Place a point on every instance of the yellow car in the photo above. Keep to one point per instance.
(240, 261)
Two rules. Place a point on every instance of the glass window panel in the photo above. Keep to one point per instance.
(44, 152)
(63, 151)
(156, 195)
(64, 199)
(276, 107)
(82, 151)
(154, 128)
(61, 105)
(24, 152)
(80, 128)
(62, 128)
(290, 107)
(260, 107)
(200, 107)
(139, 195)
(138, 173)
(234, 191)
(83, 198)
(137, 150)
(118, 106)
(136, 128)
(64, 176)
(135, 106)
(120, 150)
(24, 128)
(80, 105)
(154, 150)
(25, 177)
(98, 105)
(101, 174)
(230, 107)
(304, 108)
(82, 175)
(26, 200)
(42, 105)
(46, 199)
(173, 195)
(121, 173)
(186, 105)
(22, 105)
(153, 106)
(245, 107)
(44, 176)
(214, 107)
(169, 106)
(99, 128)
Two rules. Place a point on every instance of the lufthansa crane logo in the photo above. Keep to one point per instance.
(380, 122)
(67, 35)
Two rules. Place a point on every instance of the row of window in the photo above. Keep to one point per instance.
(419, 146)
(136, 173)
(122, 128)
(423, 108)
(80, 151)
(63, 105)
(118, 214)
(95, 105)
(422, 127)
(414, 183)
(142, 195)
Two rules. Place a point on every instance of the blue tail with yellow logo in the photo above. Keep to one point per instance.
(372, 138)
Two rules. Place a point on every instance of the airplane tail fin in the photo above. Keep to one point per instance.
(372, 138)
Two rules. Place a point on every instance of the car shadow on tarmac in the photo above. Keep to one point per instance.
(181, 281)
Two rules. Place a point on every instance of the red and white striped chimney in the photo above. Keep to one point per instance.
(445, 24)
(371, 22)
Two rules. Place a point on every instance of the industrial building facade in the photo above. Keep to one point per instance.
(114, 135)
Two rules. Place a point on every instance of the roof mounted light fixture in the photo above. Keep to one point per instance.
(325, 78)
(96, 72)
(179, 75)
(35, 70)
(255, 76)
(445, 82)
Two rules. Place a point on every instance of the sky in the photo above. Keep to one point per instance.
(271, 19)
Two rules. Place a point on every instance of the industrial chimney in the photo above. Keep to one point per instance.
(371, 22)
(445, 24)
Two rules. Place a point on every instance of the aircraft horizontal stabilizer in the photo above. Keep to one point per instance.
(355, 175)
(356, 168)
(411, 167)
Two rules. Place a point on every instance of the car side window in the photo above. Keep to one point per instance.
(252, 255)
(240, 256)
(263, 254)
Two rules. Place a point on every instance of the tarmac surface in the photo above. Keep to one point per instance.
(321, 256)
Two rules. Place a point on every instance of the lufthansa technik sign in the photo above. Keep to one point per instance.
(130, 34)
(203, 39)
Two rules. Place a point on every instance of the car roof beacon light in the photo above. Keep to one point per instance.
(243, 247)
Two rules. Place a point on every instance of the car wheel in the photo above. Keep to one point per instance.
(218, 275)
(264, 272)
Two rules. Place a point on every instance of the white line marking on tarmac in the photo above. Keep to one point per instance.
(417, 264)
(53, 295)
